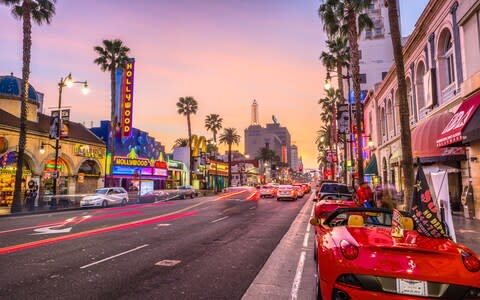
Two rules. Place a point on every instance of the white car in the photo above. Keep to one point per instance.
(286, 192)
(105, 197)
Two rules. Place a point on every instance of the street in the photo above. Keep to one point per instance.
(205, 248)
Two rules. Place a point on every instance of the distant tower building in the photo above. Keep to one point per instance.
(255, 120)
(295, 163)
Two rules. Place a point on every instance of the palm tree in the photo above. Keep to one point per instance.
(188, 106)
(41, 11)
(337, 58)
(180, 142)
(229, 137)
(349, 17)
(213, 123)
(112, 55)
(405, 134)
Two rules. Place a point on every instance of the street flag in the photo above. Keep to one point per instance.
(424, 211)
(397, 228)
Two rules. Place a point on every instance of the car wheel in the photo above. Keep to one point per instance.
(183, 196)
(192, 196)
(104, 203)
(124, 202)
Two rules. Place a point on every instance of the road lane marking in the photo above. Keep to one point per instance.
(253, 207)
(51, 230)
(218, 220)
(169, 216)
(113, 256)
(163, 225)
(167, 263)
(298, 276)
(31, 227)
(305, 240)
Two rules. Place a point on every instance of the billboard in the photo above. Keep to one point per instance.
(59, 118)
(127, 98)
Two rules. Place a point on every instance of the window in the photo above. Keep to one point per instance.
(368, 33)
(378, 30)
(360, 54)
(384, 74)
(449, 63)
(363, 78)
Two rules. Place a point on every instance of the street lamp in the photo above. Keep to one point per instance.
(64, 82)
(327, 81)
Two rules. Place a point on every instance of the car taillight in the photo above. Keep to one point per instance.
(349, 251)
(470, 262)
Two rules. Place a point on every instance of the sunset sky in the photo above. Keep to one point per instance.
(224, 53)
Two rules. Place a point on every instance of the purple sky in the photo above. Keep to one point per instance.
(224, 53)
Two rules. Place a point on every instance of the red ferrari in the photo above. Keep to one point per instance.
(358, 258)
(330, 203)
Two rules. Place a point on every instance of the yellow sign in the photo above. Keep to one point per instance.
(198, 144)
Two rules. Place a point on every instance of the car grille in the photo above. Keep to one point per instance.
(389, 285)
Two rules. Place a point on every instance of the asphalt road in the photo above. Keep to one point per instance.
(205, 248)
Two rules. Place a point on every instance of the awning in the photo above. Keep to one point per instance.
(371, 169)
(424, 141)
(454, 132)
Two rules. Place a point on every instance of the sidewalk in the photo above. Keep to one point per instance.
(467, 232)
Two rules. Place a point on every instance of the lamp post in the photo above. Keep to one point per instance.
(64, 82)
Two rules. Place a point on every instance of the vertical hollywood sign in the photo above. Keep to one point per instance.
(128, 98)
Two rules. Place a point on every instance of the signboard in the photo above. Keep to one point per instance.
(343, 118)
(363, 94)
(127, 94)
(88, 151)
(131, 162)
(59, 124)
(173, 164)
(3, 144)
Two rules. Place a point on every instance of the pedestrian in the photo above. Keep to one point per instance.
(384, 198)
(364, 195)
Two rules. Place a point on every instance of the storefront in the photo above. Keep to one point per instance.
(176, 174)
(136, 174)
(8, 169)
(463, 129)
(217, 175)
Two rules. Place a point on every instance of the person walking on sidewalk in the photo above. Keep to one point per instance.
(364, 195)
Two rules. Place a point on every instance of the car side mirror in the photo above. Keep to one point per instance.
(315, 221)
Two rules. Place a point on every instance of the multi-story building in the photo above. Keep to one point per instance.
(294, 157)
(442, 50)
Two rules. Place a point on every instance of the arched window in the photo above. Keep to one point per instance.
(383, 123)
(390, 117)
(396, 109)
(446, 65)
(420, 87)
(448, 50)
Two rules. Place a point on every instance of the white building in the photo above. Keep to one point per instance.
(294, 157)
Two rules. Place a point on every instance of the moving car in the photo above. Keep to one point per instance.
(186, 191)
(299, 189)
(358, 258)
(105, 197)
(286, 192)
(268, 191)
(335, 189)
(330, 203)
(153, 196)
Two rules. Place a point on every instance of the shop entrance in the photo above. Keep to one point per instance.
(62, 181)
(87, 178)
(8, 169)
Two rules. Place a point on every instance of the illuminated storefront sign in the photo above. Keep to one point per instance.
(127, 96)
(89, 151)
(173, 164)
(160, 165)
(3, 144)
(131, 162)
(217, 167)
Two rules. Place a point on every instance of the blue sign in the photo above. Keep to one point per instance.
(363, 94)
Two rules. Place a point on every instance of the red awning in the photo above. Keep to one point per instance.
(452, 132)
(424, 140)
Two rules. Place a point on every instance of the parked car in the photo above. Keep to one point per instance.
(286, 192)
(186, 191)
(358, 258)
(334, 189)
(267, 191)
(330, 203)
(105, 197)
(153, 196)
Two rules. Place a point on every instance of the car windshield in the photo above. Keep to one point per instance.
(334, 189)
(371, 218)
(101, 191)
(285, 187)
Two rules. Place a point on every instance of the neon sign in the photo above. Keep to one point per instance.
(131, 162)
(127, 93)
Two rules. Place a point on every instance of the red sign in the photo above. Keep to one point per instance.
(452, 133)
(160, 164)
(127, 95)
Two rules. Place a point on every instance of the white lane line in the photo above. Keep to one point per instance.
(167, 263)
(305, 240)
(298, 277)
(218, 220)
(253, 207)
(163, 225)
(112, 257)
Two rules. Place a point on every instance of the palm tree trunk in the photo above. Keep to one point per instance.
(215, 137)
(113, 121)
(229, 164)
(22, 140)
(190, 146)
(342, 100)
(355, 65)
(405, 134)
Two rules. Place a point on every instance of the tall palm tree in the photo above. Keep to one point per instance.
(349, 17)
(40, 11)
(188, 106)
(229, 137)
(180, 142)
(213, 123)
(405, 134)
(337, 58)
(111, 55)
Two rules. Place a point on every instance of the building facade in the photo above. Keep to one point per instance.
(435, 57)
(81, 159)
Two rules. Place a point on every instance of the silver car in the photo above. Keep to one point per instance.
(105, 197)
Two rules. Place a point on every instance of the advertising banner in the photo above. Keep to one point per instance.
(424, 211)
(343, 118)
(59, 118)
(127, 103)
